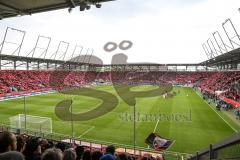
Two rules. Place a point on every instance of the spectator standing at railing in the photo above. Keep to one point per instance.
(110, 153)
(69, 154)
(122, 156)
(8, 142)
(79, 151)
(96, 155)
(86, 155)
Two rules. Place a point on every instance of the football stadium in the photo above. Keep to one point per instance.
(70, 104)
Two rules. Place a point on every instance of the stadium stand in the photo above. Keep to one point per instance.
(32, 147)
(220, 85)
(15, 81)
(223, 81)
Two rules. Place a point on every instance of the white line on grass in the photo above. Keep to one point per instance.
(88, 130)
(156, 126)
(67, 122)
(218, 114)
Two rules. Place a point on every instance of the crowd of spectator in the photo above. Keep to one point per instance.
(227, 82)
(24, 147)
(20, 147)
(16, 80)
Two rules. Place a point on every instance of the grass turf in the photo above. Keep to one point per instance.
(190, 135)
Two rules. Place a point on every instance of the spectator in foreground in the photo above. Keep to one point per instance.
(33, 149)
(20, 143)
(109, 155)
(11, 155)
(96, 155)
(8, 142)
(86, 155)
(79, 151)
(62, 146)
(45, 145)
(122, 156)
(52, 154)
(69, 154)
(110, 150)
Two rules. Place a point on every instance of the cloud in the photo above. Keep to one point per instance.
(162, 31)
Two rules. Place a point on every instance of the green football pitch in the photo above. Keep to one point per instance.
(185, 118)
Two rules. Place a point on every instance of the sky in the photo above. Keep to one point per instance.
(161, 31)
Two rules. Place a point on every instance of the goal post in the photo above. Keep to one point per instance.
(31, 123)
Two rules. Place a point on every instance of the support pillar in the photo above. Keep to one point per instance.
(14, 65)
(27, 65)
(38, 65)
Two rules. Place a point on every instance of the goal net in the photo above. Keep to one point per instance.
(31, 123)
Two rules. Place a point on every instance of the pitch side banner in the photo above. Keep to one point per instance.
(157, 142)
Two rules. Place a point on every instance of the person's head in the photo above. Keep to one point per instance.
(52, 154)
(8, 142)
(96, 155)
(69, 154)
(11, 155)
(110, 149)
(79, 151)
(46, 144)
(108, 157)
(122, 156)
(33, 147)
(20, 143)
(86, 155)
(61, 145)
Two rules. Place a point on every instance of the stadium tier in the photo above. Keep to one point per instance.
(222, 87)
(221, 84)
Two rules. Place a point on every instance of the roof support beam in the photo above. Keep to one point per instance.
(12, 8)
(71, 3)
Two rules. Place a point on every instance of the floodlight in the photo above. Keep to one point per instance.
(88, 7)
(82, 7)
(98, 5)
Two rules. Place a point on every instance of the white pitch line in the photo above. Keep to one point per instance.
(156, 126)
(89, 129)
(218, 114)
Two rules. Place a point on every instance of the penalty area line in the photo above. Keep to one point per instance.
(88, 130)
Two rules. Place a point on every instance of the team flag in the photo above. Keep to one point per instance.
(157, 142)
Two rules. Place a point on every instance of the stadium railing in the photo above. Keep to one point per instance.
(226, 149)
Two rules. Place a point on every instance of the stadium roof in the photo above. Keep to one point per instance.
(13, 8)
(226, 58)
